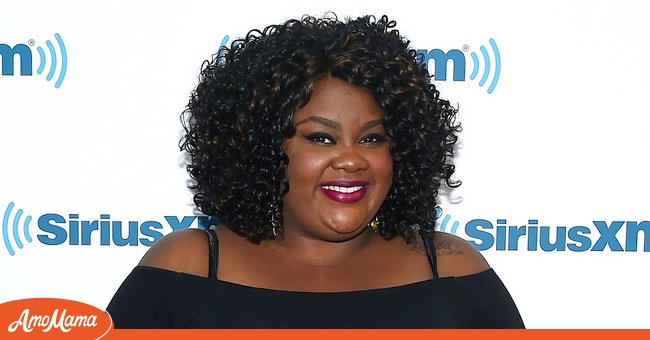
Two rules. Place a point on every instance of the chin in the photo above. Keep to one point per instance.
(345, 232)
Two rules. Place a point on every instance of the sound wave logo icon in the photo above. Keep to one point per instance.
(487, 66)
(445, 222)
(224, 41)
(53, 60)
(490, 63)
(56, 58)
(15, 225)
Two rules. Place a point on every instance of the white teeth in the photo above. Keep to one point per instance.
(345, 190)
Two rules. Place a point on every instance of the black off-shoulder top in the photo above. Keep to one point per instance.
(159, 298)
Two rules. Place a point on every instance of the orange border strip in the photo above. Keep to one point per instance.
(381, 334)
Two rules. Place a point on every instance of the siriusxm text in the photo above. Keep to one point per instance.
(58, 229)
(532, 237)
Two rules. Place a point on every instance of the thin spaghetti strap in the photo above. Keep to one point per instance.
(213, 253)
(427, 239)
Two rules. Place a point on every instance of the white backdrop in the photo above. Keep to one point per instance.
(562, 139)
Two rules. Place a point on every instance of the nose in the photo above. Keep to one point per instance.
(349, 161)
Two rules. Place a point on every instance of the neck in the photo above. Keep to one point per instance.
(312, 251)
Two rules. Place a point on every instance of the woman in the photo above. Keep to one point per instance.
(321, 146)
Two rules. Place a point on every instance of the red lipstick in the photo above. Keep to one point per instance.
(344, 191)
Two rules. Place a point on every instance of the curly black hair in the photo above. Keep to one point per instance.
(242, 110)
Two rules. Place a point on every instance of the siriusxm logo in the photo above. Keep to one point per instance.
(441, 60)
(531, 236)
(57, 59)
(56, 229)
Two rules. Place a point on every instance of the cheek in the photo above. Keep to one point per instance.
(305, 168)
(383, 169)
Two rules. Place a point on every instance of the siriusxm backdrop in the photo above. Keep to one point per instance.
(553, 97)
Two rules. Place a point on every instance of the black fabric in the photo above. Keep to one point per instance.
(213, 253)
(431, 253)
(159, 298)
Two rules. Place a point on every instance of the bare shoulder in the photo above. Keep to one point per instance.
(184, 251)
(457, 257)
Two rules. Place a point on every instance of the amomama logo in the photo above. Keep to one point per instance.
(489, 64)
(21, 56)
(534, 236)
(73, 229)
(45, 317)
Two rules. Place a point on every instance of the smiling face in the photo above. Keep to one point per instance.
(340, 168)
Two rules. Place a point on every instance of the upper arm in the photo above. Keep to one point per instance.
(457, 257)
(184, 251)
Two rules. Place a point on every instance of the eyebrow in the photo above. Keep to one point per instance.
(371, 124)
(335, 125)
(320, 120)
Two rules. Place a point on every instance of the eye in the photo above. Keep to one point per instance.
(373, 139)
(320, 138)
